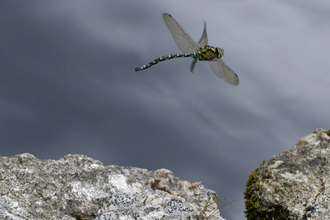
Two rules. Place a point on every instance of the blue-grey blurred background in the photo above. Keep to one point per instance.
(68, 86)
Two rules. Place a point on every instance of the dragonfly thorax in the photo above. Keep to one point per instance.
(209, 53)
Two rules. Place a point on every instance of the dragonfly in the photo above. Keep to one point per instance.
(198, 51)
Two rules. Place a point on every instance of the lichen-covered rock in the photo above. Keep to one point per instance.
(78, 187)
(293, 185)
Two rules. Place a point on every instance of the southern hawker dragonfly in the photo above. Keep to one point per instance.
(201, 51)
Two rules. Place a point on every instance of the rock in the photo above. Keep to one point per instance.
(79, 187)
(294, 184)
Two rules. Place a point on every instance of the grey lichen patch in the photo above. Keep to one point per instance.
(178, 208)
(79, 187)
(292, 184)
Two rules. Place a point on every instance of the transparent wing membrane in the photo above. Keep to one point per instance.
(181, 38)
(203, 41)
(224, 72)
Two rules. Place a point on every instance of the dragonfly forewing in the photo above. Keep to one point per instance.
(181, 38)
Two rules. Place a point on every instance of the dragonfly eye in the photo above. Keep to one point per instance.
(220, 52)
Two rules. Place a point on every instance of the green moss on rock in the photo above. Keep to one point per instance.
(255, 210)
(250, 199)
(80, 217)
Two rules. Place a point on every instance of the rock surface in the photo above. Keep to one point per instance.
(78, 187)
(293, 185)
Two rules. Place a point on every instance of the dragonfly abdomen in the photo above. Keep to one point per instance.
(168, 57)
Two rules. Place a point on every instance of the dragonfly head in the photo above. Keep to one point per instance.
(220, 52)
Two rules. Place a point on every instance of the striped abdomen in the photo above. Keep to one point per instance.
(163, 58)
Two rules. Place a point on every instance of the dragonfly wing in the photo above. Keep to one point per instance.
(193, 65)
(181, 38)
(203, 41)
(224, 72)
